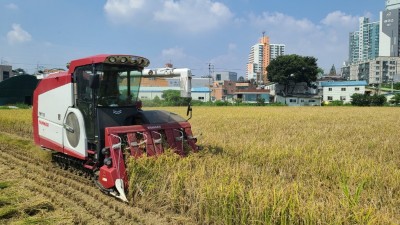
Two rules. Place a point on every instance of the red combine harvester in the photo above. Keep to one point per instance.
(91, 119)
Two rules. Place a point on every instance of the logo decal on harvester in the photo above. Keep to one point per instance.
(43, 123)
(117, 112)
(154, 127)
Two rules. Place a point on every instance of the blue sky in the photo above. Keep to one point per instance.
(187, 33)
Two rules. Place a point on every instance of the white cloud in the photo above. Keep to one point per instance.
(194, 15)
(280, 21)
(12, 6)
(232, 47)
(18, 35)
(173, 53)
(340, 19)
(123, 10)
(190, 15)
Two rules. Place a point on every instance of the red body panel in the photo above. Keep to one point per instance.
(108, 176)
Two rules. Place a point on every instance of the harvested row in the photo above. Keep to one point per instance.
(78, 194)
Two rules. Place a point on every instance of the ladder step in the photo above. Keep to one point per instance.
(88, 167)
(90, 152)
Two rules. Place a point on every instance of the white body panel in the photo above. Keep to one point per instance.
(51, 112)
(50, 131)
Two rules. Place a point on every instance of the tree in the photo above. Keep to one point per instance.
(20, 71)
(367, 100)
(395, 99)
(288, 70)
(359, 100)
(173, 97)
(377, 100)
(260, 101)
(332, 72)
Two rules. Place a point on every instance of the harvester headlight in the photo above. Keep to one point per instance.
(134, 60)
(141, 62)
(112, 59)
(108, 162)
(105, 151)
(123, 60)
(146, 63)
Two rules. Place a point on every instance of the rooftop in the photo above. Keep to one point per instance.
(344, 83)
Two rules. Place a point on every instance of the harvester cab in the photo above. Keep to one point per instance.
(92, 119)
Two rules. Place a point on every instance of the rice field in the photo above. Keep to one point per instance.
(273, 165)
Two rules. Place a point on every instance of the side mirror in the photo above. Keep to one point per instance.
(94, 81)
(189, 111)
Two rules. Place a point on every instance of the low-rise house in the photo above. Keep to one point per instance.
(223, 90)
(298, 94)
(342, 90)
(299, 100)
(252, 96)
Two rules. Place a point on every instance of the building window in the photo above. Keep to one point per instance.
(292, 100)
(377, 67)
(201, 98)
(357, 89)
(6, 75)
(329, 89)
(378, 62)
(377, 73)
(343, 89)
(342, 98)
(218, 77)
(330, 98)
(311, 100)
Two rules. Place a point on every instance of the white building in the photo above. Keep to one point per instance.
(392, 4)
(198, 93)
(299, 100)
(254, 67)
(276, 50)
(389, 29)
(224, 75)
(382, 69)
(342, 90)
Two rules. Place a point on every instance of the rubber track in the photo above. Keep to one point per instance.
(73, 189)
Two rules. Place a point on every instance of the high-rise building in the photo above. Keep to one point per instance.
(389, 29)
(367, 61)
(392, 4)
(364, 43)
(276, 50)
(255, 62)
(260, 56)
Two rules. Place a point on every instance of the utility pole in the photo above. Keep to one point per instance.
(210, 71)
